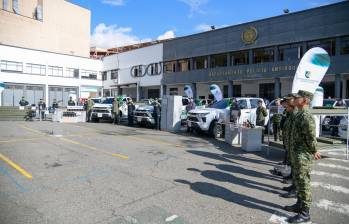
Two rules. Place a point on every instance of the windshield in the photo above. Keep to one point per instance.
(96, 100)
(108, 101)
(328, 103)
(223, 104)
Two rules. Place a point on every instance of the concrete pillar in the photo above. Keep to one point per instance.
(277, 87)
(250, 56)
(276, 54)
(230, 89)
(209, 61)
(191, 64)
(338, 46)
(46, 94)
(337, 85)
(228, 60)
(194, 90)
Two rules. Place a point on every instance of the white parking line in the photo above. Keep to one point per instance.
(334, 175)
(336, 153)
(171, 218)
(330, 187)
(333, 150)
(333, 166)
(339, 160)
(333, 206)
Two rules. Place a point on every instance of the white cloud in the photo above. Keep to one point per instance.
(206, 27)
(167, 35)
(195, 6)
(113, 2)
(105, 36)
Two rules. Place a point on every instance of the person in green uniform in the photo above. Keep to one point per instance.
(304, 148)
(71, 102)
(276, 122)
(116, 111)
(89, 107)
(261, 114)
(287, 138)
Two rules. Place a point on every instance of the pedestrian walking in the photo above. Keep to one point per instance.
(304, 146)
(261, 114)
(42, 109)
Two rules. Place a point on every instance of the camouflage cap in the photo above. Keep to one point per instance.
(306, 94)
(290, 96)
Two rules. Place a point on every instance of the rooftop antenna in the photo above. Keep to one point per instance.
(286, 11)
(213, 27)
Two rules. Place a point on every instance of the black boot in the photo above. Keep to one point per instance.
(301, 217)
(289, 188)
(290, 194)
(294, 208)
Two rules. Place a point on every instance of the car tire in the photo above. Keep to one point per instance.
(216, 130)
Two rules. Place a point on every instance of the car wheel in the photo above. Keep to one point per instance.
(216, 130)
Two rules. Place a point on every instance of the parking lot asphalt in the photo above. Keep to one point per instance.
(107, 174)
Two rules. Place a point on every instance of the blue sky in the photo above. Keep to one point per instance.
(123, 22)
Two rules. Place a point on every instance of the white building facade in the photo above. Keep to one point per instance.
(136, 73)
(38, 74)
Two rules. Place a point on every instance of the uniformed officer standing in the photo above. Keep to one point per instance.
(261, 114)
(130, 110)
(71, 102)
(157, 114)
(288, 138)
(23, 102)
(304, 147)
(89, 107)
(276, 122)
(116, 110)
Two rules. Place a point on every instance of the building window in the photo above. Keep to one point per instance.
(329, 45)
(72, 73)
(5, 4)
(15, 6)
(104, 75)
(170, 66)
(114, 74)
(36, 69)
(344, 45)
(290, 52)
(263, 55)
(200, 63)
(55, 71)
(11, 66)
(218, 60)
(173, 91)
(88, 74)
(239, 58)
(154, 69)
(183, 65)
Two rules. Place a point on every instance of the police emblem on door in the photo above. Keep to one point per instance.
(249, 36)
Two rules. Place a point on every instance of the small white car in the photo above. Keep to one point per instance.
(213, 118)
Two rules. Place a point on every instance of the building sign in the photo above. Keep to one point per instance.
(249, 36)
(251, 72)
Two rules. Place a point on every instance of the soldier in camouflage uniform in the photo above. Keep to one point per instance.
(276, 122)
(303, 143)
(291, 112)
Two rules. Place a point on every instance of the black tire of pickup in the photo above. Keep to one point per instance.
(215, 130)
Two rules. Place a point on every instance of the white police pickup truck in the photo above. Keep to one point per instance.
(102, 109)
(213, 118)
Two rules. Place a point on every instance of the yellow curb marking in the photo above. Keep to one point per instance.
(16, 167)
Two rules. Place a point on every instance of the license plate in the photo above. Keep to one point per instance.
(139, 119)
(99, 115)
(189, 124)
